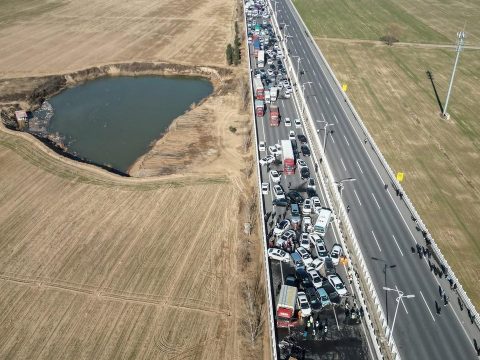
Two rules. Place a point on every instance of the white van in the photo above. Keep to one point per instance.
(321, 225)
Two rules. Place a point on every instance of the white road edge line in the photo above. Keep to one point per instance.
(357, 197)
(359, 167)
(341, 160)
(374, 198)
(376, 241)
(397, 245)
(430, 311)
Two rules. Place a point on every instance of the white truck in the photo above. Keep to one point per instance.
(261, 59)
(273, 93)
(321, 225)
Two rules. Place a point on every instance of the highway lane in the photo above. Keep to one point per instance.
(418, 333)
(271, 136)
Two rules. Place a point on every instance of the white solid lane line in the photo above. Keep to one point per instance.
(328, 102)
(335, 117)
(397, 245)
(343, 164)
(357, 197)
(430, 311)
(359, 167)
(346, 140)
(376, 241)
(376, 202)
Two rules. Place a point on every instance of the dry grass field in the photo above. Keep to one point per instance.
(52, 36)
(390, 89)
(95, 266)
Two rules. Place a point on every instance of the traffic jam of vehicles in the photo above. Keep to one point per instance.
(302, 247)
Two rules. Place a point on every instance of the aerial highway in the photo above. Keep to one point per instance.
(425, 327)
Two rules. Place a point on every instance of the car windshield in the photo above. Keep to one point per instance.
(304, 305)
(339, 286)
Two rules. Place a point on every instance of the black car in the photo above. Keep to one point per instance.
(313, 299)
(311, 192)
(302, 138)
(294, 146)
(305, 150)
(295, 197)
(304, 279)
(291, 280)
(304, 173)
(280, 202)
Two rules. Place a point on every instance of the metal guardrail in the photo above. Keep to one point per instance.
(268, 282)
(411, 208)
(342, 215)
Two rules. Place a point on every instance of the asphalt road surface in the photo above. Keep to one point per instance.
(344, 337)
(425, 328)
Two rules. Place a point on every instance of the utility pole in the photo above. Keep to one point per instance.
(460, 44)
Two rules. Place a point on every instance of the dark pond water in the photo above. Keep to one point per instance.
(113, 121)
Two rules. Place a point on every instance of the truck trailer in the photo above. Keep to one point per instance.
(259, 107)
(258, 87)
(286, 306)
(288, 158)
(261, 58)
(274, 115)
(273, 93)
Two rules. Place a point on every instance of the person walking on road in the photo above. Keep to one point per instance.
(348, 208)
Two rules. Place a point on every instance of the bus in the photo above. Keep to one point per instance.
(321, 225)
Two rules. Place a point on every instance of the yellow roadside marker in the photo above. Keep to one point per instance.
(400, 176)
(344, 87)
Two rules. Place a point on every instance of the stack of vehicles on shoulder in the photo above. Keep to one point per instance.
(298, 239)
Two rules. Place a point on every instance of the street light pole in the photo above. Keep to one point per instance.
(398, 299)
(340, 184)
(460, 43)
(325, 135)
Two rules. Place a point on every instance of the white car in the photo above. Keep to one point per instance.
(321, 250)
(281, 227)
(273, 151)
(314, 238)
(316, 264)
(278, 192)
(316, 204)
(304, 241)
(337, 284)
(278, 254)
(288, 89)
(267, 160)
(261, 146)
(303, 304)
(275, 176)
(269, 61)
(306, 257)
(336, 253)
(288, 122)
(301, 163)
(291, 135)
(270, 72)
(265, 187)
(307, 224)
(279, 147)
(298, 123)
(316, 278)
(307, 207)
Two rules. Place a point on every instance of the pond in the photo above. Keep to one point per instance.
(113, 121)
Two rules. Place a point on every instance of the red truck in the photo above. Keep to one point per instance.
(288, 157)
(274, 116)
(286, 306)
(258, 87)
(259, 107)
